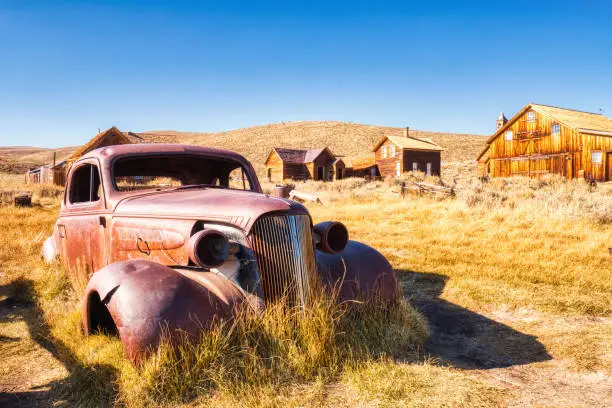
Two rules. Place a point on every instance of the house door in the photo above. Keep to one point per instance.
(269, 174)
(320, 173)
(339, 173)
(609, 161)
(398, 169)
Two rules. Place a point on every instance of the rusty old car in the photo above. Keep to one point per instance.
(174, 236)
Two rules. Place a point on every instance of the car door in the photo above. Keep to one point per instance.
(82, 223)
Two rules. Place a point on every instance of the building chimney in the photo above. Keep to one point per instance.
(406, 131)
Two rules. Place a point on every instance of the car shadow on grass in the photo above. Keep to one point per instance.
(94, 389)
(461, 337)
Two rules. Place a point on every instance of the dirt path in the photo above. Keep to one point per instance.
(29, 372)
(522, 352)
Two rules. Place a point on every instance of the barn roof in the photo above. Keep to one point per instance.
(582, 121)
(411, 143)
(298, 156)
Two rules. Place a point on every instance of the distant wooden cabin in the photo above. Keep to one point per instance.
(542, 139)
(294, 164)
(55, 173)
(395, 155)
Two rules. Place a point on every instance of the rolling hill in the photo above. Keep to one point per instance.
(344, 139)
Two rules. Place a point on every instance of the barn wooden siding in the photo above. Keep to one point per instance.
(534, 150)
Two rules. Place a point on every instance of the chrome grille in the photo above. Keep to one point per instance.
(285, 255)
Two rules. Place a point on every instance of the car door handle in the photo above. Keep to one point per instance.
(143, 246)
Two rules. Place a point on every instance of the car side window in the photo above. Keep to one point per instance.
(85, 184)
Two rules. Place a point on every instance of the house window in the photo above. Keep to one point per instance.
(508, 135)
(596, 157)
(415, 167)
(555, 129)
(392, 151)
(531, 116)
(384, 152)
(429, 169)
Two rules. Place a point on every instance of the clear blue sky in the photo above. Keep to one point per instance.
(69, 68)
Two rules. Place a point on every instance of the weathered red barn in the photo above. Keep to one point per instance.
(295, 164)
(395, 155)
(543, 139)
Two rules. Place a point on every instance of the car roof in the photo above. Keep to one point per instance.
(108, 153)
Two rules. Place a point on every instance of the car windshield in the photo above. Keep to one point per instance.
(156, 172)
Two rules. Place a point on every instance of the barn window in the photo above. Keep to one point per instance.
(392, 151)
(596, 157)
(508, 135)
(384, 152)
(531, 116)
(556, 129)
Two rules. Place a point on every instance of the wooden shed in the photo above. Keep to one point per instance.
(362, 167)
(295, 164)
(55, 173)
(543, 139)
(395, 155)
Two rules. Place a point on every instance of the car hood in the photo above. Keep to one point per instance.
(236, 207)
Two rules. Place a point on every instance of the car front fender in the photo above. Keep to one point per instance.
(147, 300)
(359, 272)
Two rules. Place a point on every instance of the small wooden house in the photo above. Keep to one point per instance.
(295, 164)
(542, 139)
(395, 155)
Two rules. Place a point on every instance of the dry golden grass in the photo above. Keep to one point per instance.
(542, 269)
(17, 160)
